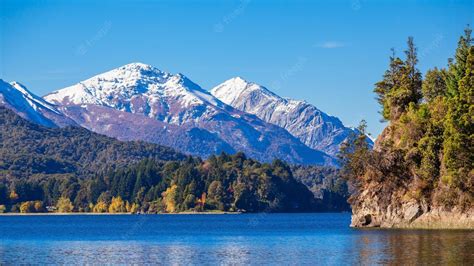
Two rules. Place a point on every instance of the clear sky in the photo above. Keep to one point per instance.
(327, 53)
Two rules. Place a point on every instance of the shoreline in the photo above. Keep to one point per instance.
(126, 213)
(105, 214)
(414, 218)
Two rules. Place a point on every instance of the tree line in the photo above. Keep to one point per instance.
(75, 170)
(221, 183)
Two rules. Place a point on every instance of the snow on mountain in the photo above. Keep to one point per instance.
(304, 121)
(140, 88)
(196, 121)
(18, 98)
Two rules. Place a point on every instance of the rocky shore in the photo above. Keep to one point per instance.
(368, 211)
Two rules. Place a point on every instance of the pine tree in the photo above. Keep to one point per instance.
(401, 84)
(409, 90)
(391, 80)
(457, 66)
(459, 131)
(434, 84)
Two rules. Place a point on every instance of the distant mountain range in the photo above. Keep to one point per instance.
(313, 127)
(140, 102)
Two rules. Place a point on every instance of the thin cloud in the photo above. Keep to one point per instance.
(331, 45)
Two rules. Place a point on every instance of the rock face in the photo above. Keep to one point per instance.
(410, 215)
(140, 102)
(313, 127)
(388, 201)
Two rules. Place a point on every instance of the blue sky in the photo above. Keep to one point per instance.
(327, 53)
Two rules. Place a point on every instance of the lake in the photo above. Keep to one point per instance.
(317, 238)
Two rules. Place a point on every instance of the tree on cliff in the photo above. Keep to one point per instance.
(426, 153)
(459, 130)
(401, 84)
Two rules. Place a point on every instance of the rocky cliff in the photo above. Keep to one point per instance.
(368, 210)
(389, 195)
(420, 173)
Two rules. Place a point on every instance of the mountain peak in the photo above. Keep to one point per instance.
(236, 87)
(311, 126)
(132, 72)
(137, 66)
(239, 82)
(138, 87)
(238, 79)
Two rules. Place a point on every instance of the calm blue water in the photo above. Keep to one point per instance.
(222, 239)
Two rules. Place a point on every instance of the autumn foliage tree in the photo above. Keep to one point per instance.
(117, 205)
(64, 205)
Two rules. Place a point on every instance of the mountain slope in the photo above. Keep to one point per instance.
(303, 120)
(29, 106)
(42, 164)
(27, 148)
(177, 107)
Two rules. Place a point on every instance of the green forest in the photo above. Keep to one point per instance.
(426, 152)
(74, 170)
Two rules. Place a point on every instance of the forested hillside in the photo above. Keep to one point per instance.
(28, 149)
(72, 169)
(422, 164)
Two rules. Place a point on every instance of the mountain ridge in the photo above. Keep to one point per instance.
(29, 106)
(173, 99)
(303, 120)
(141, 102)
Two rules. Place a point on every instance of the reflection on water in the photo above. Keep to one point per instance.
(231, 239)
(444, 247)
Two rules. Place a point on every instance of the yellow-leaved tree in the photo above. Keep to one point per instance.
(117, 205)
(169, 198)
(64, 205)
(100, 207)
(27, 207)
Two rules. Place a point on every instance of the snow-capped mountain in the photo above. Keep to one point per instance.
(142, 89)
(304, 121)
(16, 97)
(138, 101)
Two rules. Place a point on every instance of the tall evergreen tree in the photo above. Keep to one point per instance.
(391, 80)
(458, 64)
(459, 130)
(434, 84)
(401, 84)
